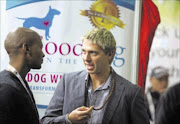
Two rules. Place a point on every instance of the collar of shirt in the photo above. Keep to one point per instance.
(12, 69)
(15, 72)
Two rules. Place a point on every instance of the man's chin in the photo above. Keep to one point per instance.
(90, 71)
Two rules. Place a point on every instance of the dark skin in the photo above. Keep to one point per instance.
(20, 45)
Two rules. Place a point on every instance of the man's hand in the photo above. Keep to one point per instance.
(80, 115)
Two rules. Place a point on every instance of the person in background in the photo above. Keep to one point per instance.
(168, 108)
(97, 95)
(159, 83)
(17, 104)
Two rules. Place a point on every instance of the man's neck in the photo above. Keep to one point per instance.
(98, 79)
(20, 69)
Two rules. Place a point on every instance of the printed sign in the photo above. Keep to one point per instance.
(61, 24)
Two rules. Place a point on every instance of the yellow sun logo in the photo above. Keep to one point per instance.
(104, 13)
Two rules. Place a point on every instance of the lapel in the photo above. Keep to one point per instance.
(33, 102)
(79, 89)
(114, 99)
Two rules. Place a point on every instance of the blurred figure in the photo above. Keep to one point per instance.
(159, 83)
(168, 109)
(17, 104)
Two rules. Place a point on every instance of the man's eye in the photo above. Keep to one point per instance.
(83, 52)
(94, 53)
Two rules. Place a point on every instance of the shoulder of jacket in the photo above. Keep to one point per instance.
(8, 79)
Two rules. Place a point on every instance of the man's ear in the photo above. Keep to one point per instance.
(26, 48)
(111, 56)
(111, 53)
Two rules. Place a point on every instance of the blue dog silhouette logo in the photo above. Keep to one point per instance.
(41, 23)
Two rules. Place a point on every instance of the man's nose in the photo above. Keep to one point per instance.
(43, 54)
(86, 57)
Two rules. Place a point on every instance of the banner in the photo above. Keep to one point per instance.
(61, 24)
(165, 50)
(149, 22)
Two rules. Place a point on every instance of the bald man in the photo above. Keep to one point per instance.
(17, 104)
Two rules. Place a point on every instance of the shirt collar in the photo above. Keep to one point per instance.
(108, 83)
(12, 69)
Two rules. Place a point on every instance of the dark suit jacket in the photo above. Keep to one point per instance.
(168, 109)
(125, 106)
(16, 106)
